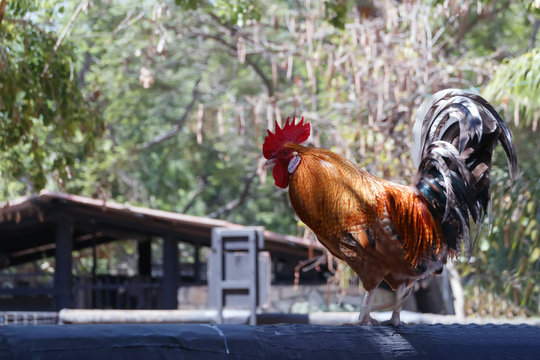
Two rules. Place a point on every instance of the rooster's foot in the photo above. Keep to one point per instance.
(392, 322)
(366, 322)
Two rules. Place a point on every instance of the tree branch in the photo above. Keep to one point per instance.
(81, 78)
(266, 80)
(471, 24)
(249, 57)
(462, 31)
(532, 39)
(83, 4)
(179, 124)
(233, 204)
(201, 186)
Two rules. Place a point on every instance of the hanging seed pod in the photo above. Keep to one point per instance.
(329, 66)
(278, 113)
(386, 81)
(311, 76)
(309, 30)
(241, 49)
(261, 170)
(160, 49)
(221, 129)
(269, 116)
(241, 120)
(516, 112)
(291, 24)
(200, 120)
(256, 33)
(274, 74)
(258, 110)
(358, 84)
(535, 120)
(289, 65)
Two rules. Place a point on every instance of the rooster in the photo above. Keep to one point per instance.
(390, 232)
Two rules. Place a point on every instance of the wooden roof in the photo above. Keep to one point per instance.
(27, 226)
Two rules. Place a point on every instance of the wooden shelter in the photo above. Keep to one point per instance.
(55, 224)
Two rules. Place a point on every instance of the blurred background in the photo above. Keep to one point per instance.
(165, 105)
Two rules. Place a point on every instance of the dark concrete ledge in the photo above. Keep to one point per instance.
(202, 341)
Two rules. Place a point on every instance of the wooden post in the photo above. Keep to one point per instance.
(197, 264)
(94, 270)
(63, 279)
(145, 258)
(169, 287)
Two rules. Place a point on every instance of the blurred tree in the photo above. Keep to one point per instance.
(512, 250)
(46, 122)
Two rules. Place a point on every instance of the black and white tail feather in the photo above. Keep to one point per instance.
(455, 134)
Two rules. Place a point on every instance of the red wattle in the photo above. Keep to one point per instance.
(281, 175)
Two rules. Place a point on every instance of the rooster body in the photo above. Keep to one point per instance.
(386, 231)
(362, 230)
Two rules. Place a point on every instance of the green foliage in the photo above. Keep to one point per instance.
(514, 244)
(21, 8)
(46, 124)
(236, 12)
(516, 84)
(190, 4)
(147, 81)
(335, 12)
(486, 28)
(511, 251)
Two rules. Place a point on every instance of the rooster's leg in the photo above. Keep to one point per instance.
(365, 316)
(401, 295)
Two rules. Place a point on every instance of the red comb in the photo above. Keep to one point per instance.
(291, 132)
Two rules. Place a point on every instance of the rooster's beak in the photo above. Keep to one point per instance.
(269, 163)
